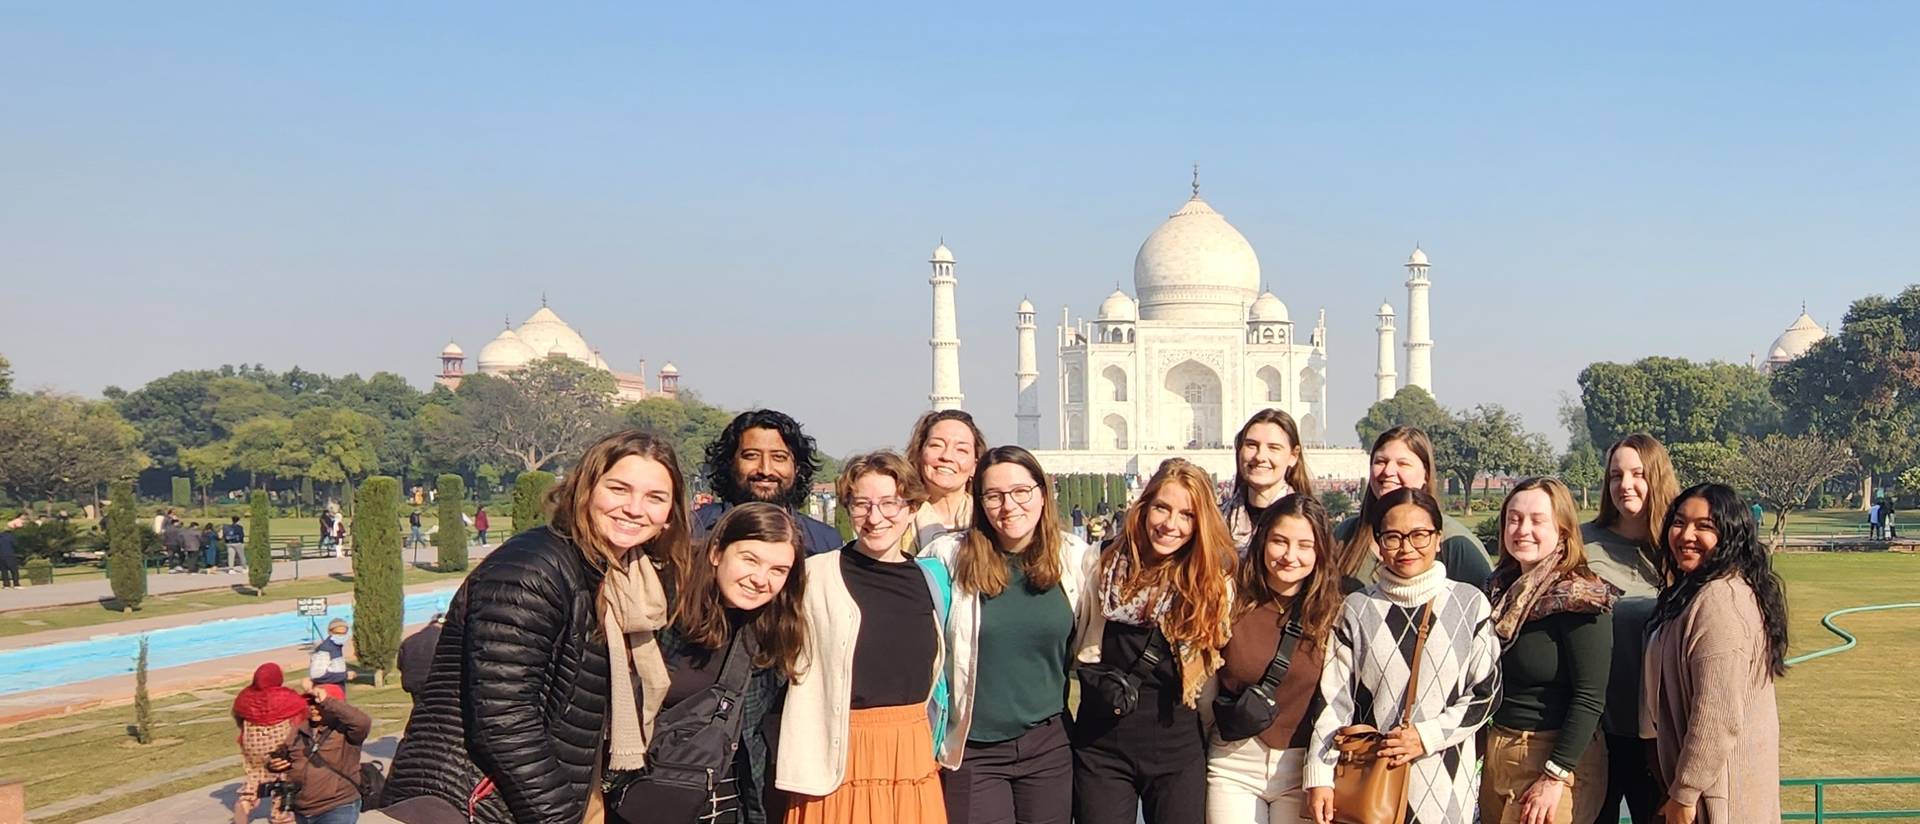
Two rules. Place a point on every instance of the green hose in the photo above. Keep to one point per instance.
(1851, 642)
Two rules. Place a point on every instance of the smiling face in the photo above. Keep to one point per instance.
(750, 573)
(1408, 540)
(1395, 466)
(1627, 481)
(632, 501)
(1002, 488)
(1290, 554)
(1171, 519)
(885, 517)
(1693, 536)
(1266, 454)
(1528, 532)
(947, 460)
(763, 465)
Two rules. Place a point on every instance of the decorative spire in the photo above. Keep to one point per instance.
(507, 321)
(1196, 181)
(543, 298)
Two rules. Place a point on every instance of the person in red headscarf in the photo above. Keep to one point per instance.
(266, 712)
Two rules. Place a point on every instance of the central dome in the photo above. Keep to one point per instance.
(1196, 267)
(546, 334)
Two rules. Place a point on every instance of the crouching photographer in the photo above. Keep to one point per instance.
(320, 762)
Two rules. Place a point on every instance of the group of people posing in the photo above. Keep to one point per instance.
(635, 661)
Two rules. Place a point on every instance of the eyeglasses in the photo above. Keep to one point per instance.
(889, 508)
(1020, 495)
(1418, 539)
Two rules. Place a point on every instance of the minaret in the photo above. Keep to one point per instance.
(1419, 342)
(945, 341)
(1383, 374)
(1026, 378)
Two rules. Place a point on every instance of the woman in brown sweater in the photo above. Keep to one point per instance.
(1719, 638)
(1284, 594)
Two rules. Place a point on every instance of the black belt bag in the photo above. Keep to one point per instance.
(692, 750)
(1249, 713)
(1120, 689)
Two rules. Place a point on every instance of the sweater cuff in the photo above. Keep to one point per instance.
(1431, 738)
(1684, 795)
(1317, 774)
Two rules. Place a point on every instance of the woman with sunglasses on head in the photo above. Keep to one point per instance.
(944, 449)
(1543, 762)
(866, 712)
(1719, 639)
(1267, 466)
(1621, 549)
(1402, 458)
(1411, 615)
(1019, 584)
(1161, 616)
(1286, 600)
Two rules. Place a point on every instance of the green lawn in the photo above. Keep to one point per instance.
(21, 622)
(1800, 523)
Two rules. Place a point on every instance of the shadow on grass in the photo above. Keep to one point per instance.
(342, 577)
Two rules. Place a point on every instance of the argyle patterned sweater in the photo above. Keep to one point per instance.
(1365, 677)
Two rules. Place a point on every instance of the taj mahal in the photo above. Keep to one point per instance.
(544, 335)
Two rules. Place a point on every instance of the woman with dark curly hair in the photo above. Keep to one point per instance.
(763, 455)
(1719, 639)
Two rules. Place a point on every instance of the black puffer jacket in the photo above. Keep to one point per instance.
(518, 690)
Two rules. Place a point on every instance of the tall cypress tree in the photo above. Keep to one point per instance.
(126, 569)
(451, 539)
(142, 703)
(379, 608)
(259, 542)
(530, 499)
(182, 491)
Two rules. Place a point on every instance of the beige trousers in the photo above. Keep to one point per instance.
(1516, 758)
(1251, 783)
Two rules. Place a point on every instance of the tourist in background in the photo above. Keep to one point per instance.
(1020, 588)
(866, 713)
(1153, 641)
(1367, 670)
(415, 659)
(944, 448)
(523, 649)
(1402, 458)
(1620, 548)
(414, 536)
(209, 547)
(481, 523)
(190, 552)
(1282, 591)
(322, 759)
(1544, 764)
(328, 662)
(235, 537)
(266, 712)
(1718, 640)
(1267, 466)
(763, 455)
(9, 560)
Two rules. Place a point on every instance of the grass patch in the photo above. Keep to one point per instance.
(108, 613)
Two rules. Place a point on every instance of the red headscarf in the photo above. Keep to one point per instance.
(266, 702)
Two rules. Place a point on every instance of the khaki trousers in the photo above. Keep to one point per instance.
(1251, 783)
(1516, 758)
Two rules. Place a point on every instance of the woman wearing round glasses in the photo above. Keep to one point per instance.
(1411, 613)
(1018, 583)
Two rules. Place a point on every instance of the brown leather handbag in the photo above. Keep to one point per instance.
(1366, 789)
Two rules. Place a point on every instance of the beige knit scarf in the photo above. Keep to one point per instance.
(633, 607)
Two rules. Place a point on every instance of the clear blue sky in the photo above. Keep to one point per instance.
(752, 192)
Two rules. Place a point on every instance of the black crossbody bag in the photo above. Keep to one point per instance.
(1243, 716)
(692, 750)
(1121, 688)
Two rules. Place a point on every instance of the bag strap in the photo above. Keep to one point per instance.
(1282, 657)
(1150, 655)
(735, 672)
(313, 754)
(1419, 651)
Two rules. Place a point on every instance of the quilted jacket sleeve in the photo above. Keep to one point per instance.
(515, 620)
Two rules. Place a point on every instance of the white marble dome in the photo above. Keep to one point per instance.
(1268, 309)
(1385, 309)
(1796, 340)
(506, 351)
(941, 254)
(547, 334)
(453, 350)
(1118, 307)
(1026, 307)
(1196, 267)
(1418, 258)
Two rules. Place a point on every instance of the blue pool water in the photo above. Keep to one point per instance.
(103, 656)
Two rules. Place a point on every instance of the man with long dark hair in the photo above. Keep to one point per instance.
(763, 456)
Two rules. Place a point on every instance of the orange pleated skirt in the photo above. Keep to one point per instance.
(892, 777)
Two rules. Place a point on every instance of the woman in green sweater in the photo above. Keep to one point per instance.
(1543, 764)
(1402, 458)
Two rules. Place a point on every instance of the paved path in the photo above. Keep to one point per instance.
(93, 590)
(212, 803)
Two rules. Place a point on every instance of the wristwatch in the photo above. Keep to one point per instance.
(1559, 773)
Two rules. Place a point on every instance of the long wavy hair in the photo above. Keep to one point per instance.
(1360, 543)
(923, 431)
(570, 502)
(1739, 552)
(1197, 574)
(1566, 522)
(1318, 603)
(700, 612)
(1662, 484)
(1297, 477)
(719, 457)
(980, 566)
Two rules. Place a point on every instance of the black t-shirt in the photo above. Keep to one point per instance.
(694, 668)
(893, 657)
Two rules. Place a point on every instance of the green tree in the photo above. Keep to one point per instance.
(1411, 406)
(182, 491)
(1337, 502)
(6, 377)
(530, 499)
(486, 480)
(338, 443)
(1784, 471)
(126, 568)
(1675, 400)
(142, 702)
(207, 463)
(54, 446)
(1486, 439)
(259, 542)
(536, 415)
(1862, 386)
(264, 447)
(378, 603)
(451, 537)
(684, 420)
(1695, 463)
(1580, 468)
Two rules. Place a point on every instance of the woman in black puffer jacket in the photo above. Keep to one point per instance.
(515, 717)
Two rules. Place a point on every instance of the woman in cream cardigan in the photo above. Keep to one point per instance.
(1019, 605)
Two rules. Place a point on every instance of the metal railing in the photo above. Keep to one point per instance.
(1820, 812)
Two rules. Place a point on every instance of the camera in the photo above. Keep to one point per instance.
(279, 794)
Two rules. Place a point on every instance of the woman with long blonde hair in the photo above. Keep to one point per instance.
(945, 448)
(1160, 618)
(1402, 458)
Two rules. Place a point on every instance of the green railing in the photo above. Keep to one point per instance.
(1821, 813)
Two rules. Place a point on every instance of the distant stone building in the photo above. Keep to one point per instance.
(544, 335)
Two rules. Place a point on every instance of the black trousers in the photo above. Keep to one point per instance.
(1152, 762)
(1629, 778)
(10, 572)
(1028, 780)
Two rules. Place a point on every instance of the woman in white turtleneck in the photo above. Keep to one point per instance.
(1371, 655)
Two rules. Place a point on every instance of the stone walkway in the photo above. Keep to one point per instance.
(212, 803)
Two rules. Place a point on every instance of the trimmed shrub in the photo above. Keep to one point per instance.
(39, 571)
(142, 704)
(51, 539)
(182, 492)
(259, 542)
(451, 537)
(530, 499)
(378, 603)
(126, 567)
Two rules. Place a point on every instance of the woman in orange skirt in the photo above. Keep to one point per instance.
(857, 733)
